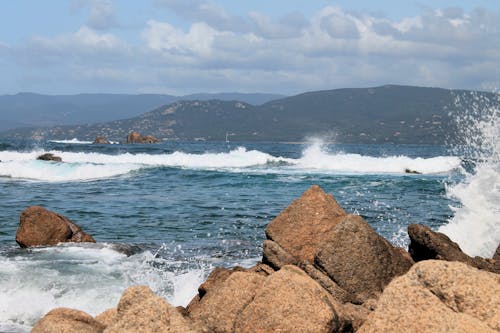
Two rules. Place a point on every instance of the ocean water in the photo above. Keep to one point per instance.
(165, 215)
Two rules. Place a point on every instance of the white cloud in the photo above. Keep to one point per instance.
(214, 50)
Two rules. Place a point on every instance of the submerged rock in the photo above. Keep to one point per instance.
(39, 226)
(438, 296)
(426, 244)
(49, 157)
(136, 137)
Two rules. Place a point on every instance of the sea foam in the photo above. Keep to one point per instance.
(81, 166)
(475, 225)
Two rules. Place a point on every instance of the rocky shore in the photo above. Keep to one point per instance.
(322, 270)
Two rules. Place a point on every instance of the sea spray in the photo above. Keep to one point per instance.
(475, 225)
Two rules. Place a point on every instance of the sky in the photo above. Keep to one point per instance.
(275, 46)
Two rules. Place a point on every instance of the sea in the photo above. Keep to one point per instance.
(165, 215)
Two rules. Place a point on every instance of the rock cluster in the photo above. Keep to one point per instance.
(136, 137)
(38, 226)
(323, 270)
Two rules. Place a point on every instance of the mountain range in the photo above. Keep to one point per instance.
(391, 113)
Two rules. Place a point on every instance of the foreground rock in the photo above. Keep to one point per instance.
(340, 251)
(140, 310)
(38, 226)
(136, 137)
(302, 226)
(49, 157)
(438, 296)
(284, 301)
(427, 244)
(68, 320)
(359, 260)
(101, 140)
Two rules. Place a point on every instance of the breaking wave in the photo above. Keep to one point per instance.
(80, 166)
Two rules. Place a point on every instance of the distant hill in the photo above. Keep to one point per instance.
(29, 110)
(397, 114)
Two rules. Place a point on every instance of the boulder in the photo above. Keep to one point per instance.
(426, 244)
(101, 140)
(302, 226)
(496, 256)
(136, 137)
(359, 260)
(289, 301)
(217, 308)
(49, 157)
(438, 296)
(107, 317)
(39, 226)
(140, 310)
(68, 320)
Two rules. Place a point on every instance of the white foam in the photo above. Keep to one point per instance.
(89, 277)
(316, 158)
(72, 141)
(78, 166)
(475, 225)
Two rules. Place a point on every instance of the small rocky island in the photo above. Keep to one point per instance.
(322, 270)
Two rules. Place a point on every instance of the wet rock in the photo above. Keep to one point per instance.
(438, 296)
(39, 226)
(303, 225)
(289, 301)
(136, 137)
(140, 310)
(101, 140)
(68, 320)
(359, 260)
(49, 157)
(410, 171)
(426, 244)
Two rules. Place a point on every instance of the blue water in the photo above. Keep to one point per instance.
(182, 208)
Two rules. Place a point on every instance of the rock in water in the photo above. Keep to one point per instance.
(302, 226)
(101, 140)
(68, 320)
(426, 244)
(39, 226)
(136, 137)
(359, 260)
(438, 296)
(49, 157)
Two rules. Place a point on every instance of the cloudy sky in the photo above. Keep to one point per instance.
(275, 46)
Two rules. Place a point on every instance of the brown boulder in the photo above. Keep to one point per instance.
(289, 301)
(438, 296)
(107, 317)
(101, 140)
(359, 260)
(136, 137)
(63, 320)
(302, 225)
(49, 157)
(140, 310)
(426, 244)
(217, 309)
(39, 226)
(496, 256)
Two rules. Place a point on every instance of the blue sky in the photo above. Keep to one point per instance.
(280, 46)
